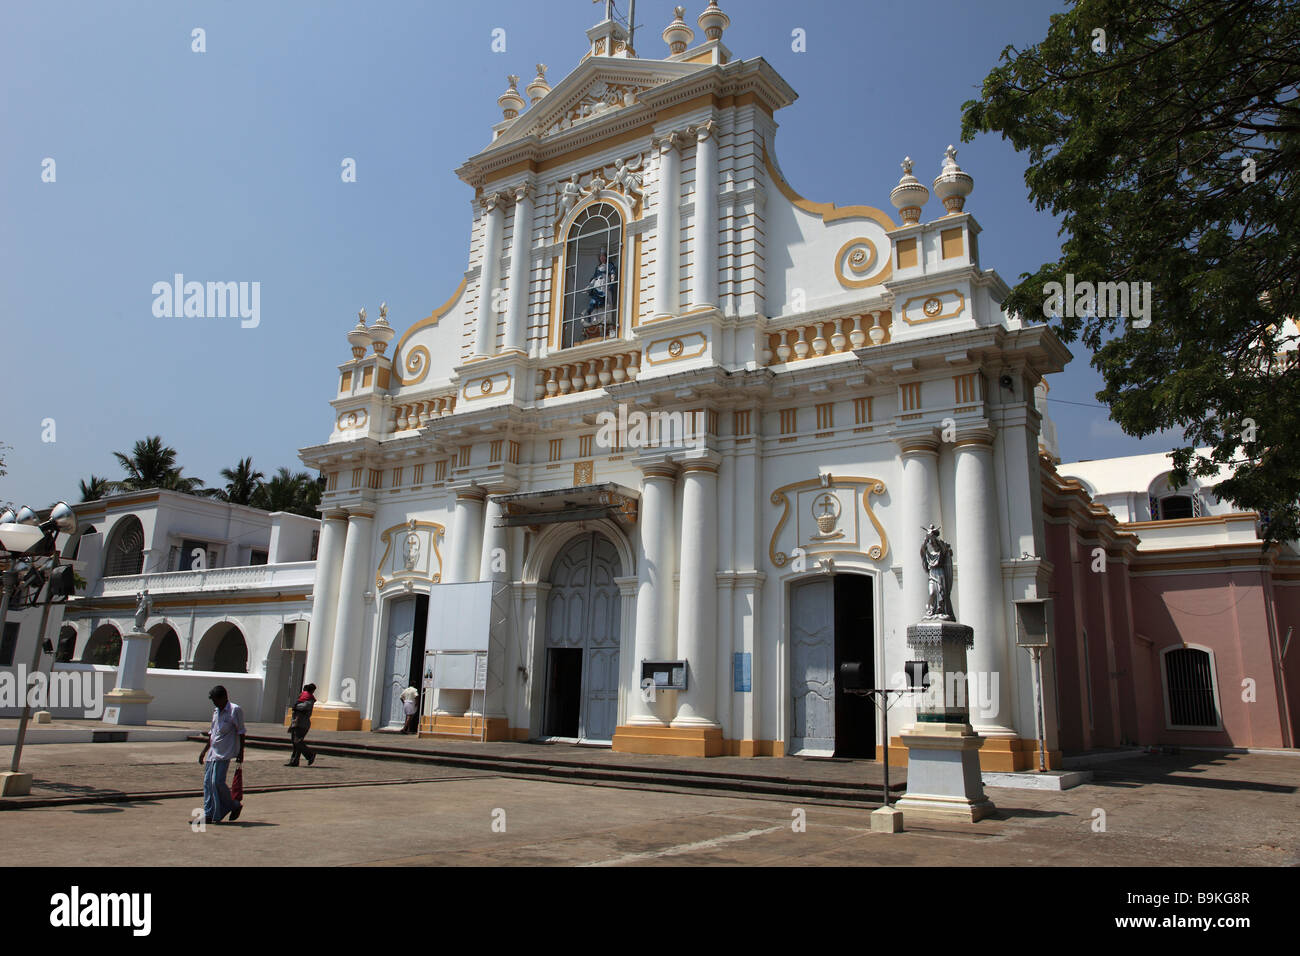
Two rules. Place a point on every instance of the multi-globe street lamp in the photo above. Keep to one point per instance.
(29, 557)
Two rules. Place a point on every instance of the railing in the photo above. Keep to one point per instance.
(416, 414)
(289, 574)
(590, 373)
(827, 337)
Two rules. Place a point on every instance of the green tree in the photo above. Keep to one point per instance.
(95, 488)
(152, 464)
(295, 492)
(242, 483)
(1166, 135)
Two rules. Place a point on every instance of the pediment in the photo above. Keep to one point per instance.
(599, 88)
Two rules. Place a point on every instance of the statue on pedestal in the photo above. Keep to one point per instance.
(143, 608)
(936, 558)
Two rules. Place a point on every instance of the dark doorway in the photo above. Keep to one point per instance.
(415, 677)
(855, 715)
(563, 691)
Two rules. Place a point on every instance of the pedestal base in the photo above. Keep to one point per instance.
(336, 718)
(130, 707)
(943, 775)
(887, 820)
(15, 784)
(677, 741)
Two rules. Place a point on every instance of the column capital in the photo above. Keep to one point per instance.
(467, 490)
(700, 459)
(975, 436)
(493, 201)
(334, 514)
(917, 441)
(673, 139)
(656, 465)
(361, 513)
(523, 191)
(704, 130)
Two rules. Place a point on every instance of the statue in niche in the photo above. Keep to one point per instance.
(936, 559)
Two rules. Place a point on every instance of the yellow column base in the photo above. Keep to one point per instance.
(470, 727)
(337, 718)
(1003, 754)
(674, 741)
(753, 748)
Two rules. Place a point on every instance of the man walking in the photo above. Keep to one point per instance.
(299, 724)
(225, 742)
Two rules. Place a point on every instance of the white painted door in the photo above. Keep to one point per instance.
(812, 667)
(397, 667)
(583, 612)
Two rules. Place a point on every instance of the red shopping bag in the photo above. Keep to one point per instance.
(237, 785)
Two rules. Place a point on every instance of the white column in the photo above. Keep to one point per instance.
(920, 507)
(520, 267)
(466, 536)
(697, 622)
(345, 661)
(485, 332)
(704, 283)
(979, 581)
(654, 581)
(325, 597)
(494, 566)
(669, 227)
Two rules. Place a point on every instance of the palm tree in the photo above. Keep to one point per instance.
(295, 492)
(152, 464)
(95, 488)
(242, 483)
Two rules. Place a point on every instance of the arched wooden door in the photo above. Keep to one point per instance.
(582, 641)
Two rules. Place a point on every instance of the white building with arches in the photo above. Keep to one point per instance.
(230, 588)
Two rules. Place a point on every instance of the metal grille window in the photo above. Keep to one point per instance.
(592, 260)
(1189, 685)
(1176, 506)
(126, 553)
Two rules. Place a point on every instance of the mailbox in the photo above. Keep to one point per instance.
(1033, 622)
(855, 675)
(664, 675)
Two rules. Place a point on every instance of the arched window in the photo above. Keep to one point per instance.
(1190, 700)
(125, 548)
(592, 279)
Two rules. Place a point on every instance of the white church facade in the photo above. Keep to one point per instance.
(663, 460)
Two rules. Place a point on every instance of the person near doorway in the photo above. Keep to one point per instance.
(225, 743)
(299, 724)
(411, 708)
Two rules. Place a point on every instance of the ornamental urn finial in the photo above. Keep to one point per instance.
(952, 185)
(381, 333)
(909, 195)
(510, 101)
(713, 21)
(538, 87)
(359, 336)
(678, 35)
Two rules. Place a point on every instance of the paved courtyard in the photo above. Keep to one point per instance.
(1174, 810)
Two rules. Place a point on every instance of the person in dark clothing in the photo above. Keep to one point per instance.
(299, 724)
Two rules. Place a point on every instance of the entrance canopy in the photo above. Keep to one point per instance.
(581, 503)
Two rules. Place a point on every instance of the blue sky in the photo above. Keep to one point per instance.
(224, 166)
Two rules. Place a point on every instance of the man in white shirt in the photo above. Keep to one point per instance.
(225, 742)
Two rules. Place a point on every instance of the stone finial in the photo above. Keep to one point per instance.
(381, 333)
(713, 21)
(538, 87)
(510, 101)
(678, 35)
(359, 336)
(952, 185)
(909, 195)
